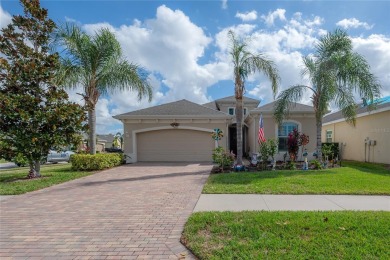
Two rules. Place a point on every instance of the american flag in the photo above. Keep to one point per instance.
(261, 137)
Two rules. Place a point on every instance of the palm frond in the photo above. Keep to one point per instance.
(333, 42)
(259, 63)
(122, 76)
(286, 100)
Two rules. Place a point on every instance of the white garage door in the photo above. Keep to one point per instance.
(175, 145)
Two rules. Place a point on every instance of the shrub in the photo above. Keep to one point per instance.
(89, 162)
(294, 141)
(222, 157)
(316, 165)
(291, 166)
(333, 150)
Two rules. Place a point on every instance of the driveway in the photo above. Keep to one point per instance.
(130, 212)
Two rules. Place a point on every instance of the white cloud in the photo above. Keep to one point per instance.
(5, 18)
(353, 23)
(376, 50)
(170, 45)
(248, 16)
(277, 14)
(224, 4)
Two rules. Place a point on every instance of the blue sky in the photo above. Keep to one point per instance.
(183, 44)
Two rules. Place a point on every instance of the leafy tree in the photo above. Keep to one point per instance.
(35, 114)
(336, 73)
(246, 63)
(97, 64)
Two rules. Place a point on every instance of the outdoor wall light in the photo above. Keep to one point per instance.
(175, 125)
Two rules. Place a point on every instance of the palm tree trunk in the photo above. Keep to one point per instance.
(319, 143)
(239, 118)
(92, 129)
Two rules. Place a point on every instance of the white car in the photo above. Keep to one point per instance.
(55, 157)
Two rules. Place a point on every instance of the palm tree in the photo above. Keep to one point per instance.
(335, 73)
(118, 140)
(96, 63)
(246, 63)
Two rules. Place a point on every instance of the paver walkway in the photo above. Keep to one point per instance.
(239, 202)
(131, 212)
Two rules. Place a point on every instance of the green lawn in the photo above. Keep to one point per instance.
(353, 178)
(2, 161)
(288, 235)
(13, 181)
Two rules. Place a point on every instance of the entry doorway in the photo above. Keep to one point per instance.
(233, 139)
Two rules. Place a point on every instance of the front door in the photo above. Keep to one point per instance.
(233, 139)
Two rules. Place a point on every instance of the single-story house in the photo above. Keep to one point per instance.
(107, 140)
(369, 140)
(181, 130)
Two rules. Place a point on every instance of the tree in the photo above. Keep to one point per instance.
(35, 114)
(336, 73)
(118, 140)
(246, 63)
(97, 64)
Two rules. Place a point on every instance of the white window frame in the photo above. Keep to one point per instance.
(245, 110)
(234, 110)
(329, 135)
(300, 129)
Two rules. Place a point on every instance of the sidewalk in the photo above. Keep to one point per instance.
(240, 202)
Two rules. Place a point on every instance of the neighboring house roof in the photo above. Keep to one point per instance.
(181, 108)
(381, 104)
(106, 138)
(295, 107)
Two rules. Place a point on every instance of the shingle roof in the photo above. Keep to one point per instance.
(108, 138)
(295, 107)
(211, 105)
(381, 103)
(233, 99)
(178, 108)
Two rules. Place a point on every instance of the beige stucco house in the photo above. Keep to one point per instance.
(369, 140)
(181, 130)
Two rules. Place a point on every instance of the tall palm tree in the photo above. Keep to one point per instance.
(335, 73)
(246, 63)
(96, 63)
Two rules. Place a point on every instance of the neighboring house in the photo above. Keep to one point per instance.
(181, 130)
(107, 140)
(369, 140)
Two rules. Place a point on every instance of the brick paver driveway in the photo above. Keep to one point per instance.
(131, 212)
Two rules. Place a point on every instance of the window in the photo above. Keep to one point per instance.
(329, 134)
(232, 111)
(283, 132)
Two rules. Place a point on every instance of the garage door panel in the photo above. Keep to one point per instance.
(174, 145)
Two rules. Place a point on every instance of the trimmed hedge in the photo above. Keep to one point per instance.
(89, 162)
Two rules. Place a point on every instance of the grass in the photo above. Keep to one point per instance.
(2, 161)
(13, 181)
(353, 178)
(288, 235)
